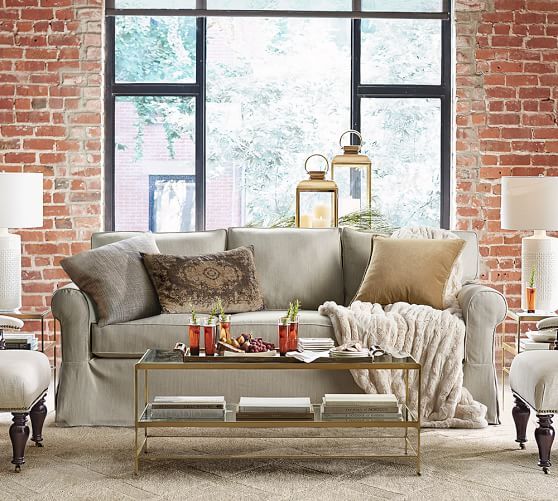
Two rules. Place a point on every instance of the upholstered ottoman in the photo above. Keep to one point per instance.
(534, 383)
(24, 380)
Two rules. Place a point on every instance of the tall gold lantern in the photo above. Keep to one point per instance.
(316, 199)
(352, 171)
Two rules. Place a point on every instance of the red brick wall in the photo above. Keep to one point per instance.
(50, 122)
(507, 87)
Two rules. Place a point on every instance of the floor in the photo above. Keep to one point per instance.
(96, 464)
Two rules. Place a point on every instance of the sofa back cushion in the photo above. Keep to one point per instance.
(357, 247)
(294, 263)
(178, 244)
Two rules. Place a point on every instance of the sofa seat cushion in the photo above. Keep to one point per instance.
(132, 339)
(24, 377)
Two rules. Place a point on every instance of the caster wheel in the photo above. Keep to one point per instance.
(545, 469)
(18, 468)
(39, 444)
(522, 445)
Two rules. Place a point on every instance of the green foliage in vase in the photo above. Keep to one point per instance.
(294, 308)
(221, 310)
(194, 316)
(531, 281)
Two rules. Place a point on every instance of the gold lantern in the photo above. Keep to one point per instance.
(352, 171)
(316, 199)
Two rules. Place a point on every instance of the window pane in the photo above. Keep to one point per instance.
(401, 51)
(278, 91)
(402, 138)
(280, 4)
(155, 4)
(403, 5)
(154, 136)
(155, 49)
(172, 203)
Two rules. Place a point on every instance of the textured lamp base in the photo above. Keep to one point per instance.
(540, 251)
(10, 271)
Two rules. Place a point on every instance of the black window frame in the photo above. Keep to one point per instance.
(197, 89)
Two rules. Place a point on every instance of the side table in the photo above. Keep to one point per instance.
(519, 317)
(45, 345)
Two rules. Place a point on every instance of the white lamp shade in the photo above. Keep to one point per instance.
(21, 200)
(529, 203)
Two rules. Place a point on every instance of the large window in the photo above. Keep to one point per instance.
(210, 118)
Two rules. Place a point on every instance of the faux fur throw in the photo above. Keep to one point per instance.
(434, 338)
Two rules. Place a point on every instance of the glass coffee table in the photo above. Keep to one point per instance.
(158, 360)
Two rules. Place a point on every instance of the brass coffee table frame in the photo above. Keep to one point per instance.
(174, 361)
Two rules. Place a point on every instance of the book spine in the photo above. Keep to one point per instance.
(349, 409)
(357, 415)
(187, 414)
(290, 410)
(157, 405)
(19, 346)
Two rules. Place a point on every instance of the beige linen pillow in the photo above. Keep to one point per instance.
(115, 278)
(414, 271)
(186, 282)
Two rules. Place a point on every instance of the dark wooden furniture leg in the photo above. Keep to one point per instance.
(520, 414)
(38, 414)
(19, 433)
(544, 435)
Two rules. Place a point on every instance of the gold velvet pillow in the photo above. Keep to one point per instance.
(414, 271)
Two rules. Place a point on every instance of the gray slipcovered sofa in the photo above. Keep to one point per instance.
(314, 265)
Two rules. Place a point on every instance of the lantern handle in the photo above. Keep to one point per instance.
(316, 155)
(350, 131)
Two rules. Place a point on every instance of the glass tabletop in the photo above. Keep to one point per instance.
(163, 357)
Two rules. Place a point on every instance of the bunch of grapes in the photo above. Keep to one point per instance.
(258, 345)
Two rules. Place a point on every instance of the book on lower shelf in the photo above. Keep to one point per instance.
(182, 407)
(19, 341)
(527, 345)
(380, 407)
(273, 409)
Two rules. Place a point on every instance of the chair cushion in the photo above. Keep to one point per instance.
(132, 339)
(24, 377)
(294, 263)
(534, 377)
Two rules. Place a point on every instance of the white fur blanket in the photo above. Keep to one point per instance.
(434, 338)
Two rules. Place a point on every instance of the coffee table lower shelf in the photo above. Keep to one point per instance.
(410, 447)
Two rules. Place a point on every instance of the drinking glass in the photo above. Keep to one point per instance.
(293, 334)
(283, 332)
(194, 337)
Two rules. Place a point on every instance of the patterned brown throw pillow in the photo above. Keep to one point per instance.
(186, 282)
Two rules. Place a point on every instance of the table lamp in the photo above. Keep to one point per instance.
(21, 206)
(531, 203)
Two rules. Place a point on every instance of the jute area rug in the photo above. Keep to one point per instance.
(97, 464)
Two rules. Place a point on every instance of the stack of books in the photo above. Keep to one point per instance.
(360, 407)
(20, 341)
(527, 345)
(195, 408)
(315, 344)
(539, 340)
(274, 409)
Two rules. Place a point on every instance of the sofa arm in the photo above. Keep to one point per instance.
(75, 312)
(483, 310)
